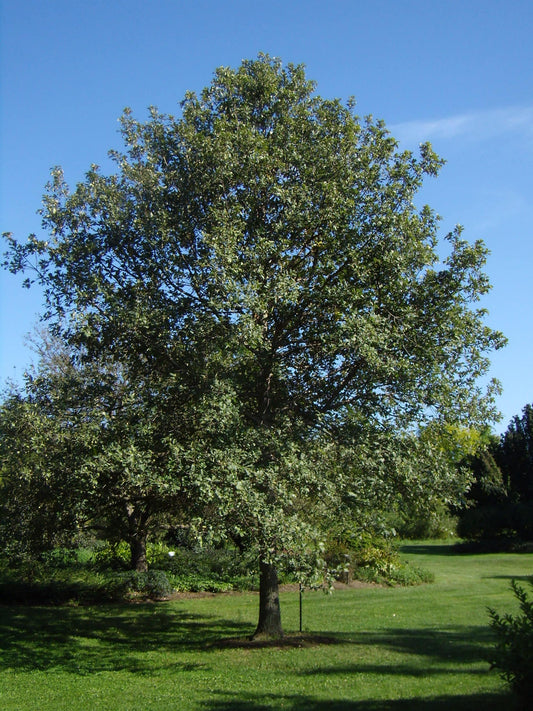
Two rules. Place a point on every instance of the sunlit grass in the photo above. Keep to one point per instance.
(373, 648)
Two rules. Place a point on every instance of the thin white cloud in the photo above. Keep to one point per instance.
(476, 125)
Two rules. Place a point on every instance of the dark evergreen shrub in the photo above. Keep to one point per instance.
(513, 655)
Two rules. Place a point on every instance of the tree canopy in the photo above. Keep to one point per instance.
(259, 270)
(515, 455)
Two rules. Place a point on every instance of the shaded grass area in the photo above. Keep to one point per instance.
(490, 702)
(373, 648)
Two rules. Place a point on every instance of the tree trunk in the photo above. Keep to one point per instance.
(138, 554)
(269, 624)
(137, 536)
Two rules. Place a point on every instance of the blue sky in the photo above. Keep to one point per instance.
(459, 74)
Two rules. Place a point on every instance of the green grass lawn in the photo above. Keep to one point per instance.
(375, 648)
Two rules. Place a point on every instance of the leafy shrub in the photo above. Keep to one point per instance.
(102, 575)
(408, 574)
(338, 558)
(185, 569)
(370, 558)
(54, 592)
(152, 584)
(59, 558)
(209, 569)
(436, 524)
(212, 564)
(199, 583)
(155, 584)
(157, 554)
(54, 587)
(112, 555)
(224, 564)
(513, 655)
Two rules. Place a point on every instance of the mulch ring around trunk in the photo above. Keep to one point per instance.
(289, 640)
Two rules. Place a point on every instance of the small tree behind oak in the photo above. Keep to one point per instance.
(75, 457)
(262, 255)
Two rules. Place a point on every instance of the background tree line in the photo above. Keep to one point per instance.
(501, 496)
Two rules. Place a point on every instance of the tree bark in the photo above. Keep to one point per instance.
(138, 554)
(269, 624)
(137, 537)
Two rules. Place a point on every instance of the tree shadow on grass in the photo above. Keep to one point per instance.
(266, 702)
(457, 645)
(105, 638)
(460, 645)
(523, 578)
(146, 639)
(111, 638)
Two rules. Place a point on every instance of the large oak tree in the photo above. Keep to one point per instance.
(260, 259)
